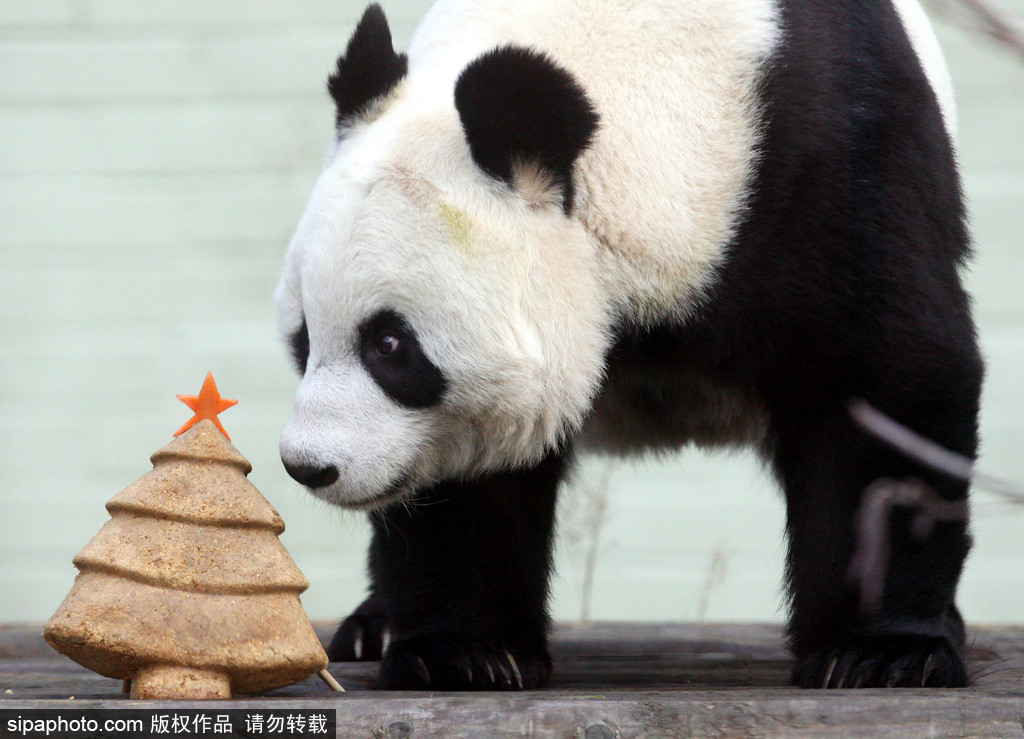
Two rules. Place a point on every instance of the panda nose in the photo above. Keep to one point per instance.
(312, 477)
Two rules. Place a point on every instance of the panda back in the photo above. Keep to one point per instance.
(667, 181)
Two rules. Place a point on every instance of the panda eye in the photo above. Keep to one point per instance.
(391, 353)
(387, 344)
(299, 344)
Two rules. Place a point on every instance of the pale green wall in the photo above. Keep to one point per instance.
(154, 158)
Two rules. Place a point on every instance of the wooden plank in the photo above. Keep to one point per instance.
(611, 680)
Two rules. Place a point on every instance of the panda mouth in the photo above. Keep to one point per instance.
(394, 492)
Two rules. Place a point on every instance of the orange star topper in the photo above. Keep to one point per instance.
(206, 405)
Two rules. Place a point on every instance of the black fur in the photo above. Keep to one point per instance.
(406, 374)
(360, 637)
(517, 106)
(298, 342)
(460, 576)
(841, 282)
(368, 70)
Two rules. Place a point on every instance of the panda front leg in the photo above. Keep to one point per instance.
(361, 635)
(460, 574)
(916, 636)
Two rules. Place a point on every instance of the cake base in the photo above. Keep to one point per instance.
(176, 682)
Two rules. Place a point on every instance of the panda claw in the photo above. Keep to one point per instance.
(515, 669)
(506, 676)
(884, 661)
(357, 643)
(443, 662)
(829, 671)
(894, 679)
(928, 670)
(421, 670)
(358, 637)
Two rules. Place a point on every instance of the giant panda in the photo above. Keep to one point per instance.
(561, 225)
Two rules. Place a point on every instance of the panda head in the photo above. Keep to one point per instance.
(441, 301)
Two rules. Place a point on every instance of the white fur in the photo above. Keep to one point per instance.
(402, 218)
(926, 46)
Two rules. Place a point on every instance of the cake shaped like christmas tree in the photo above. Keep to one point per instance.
(187, 591)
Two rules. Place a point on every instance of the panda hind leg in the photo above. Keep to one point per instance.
(462, 574)
(887, 661)
(915, 637)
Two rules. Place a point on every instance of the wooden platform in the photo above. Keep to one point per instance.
(611, 680)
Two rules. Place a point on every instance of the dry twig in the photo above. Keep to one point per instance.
(328, 678)
(870, 563)
(930, 454)
(993, 23)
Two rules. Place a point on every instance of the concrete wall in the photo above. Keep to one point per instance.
(154, 158)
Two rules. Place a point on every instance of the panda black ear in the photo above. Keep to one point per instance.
(369, 69)
(519, 107)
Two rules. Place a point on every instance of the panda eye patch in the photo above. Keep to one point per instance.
(392, 355)
(299, 344)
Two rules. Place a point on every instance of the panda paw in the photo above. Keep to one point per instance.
(361, 636)
(885, 661)
(450, 662)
